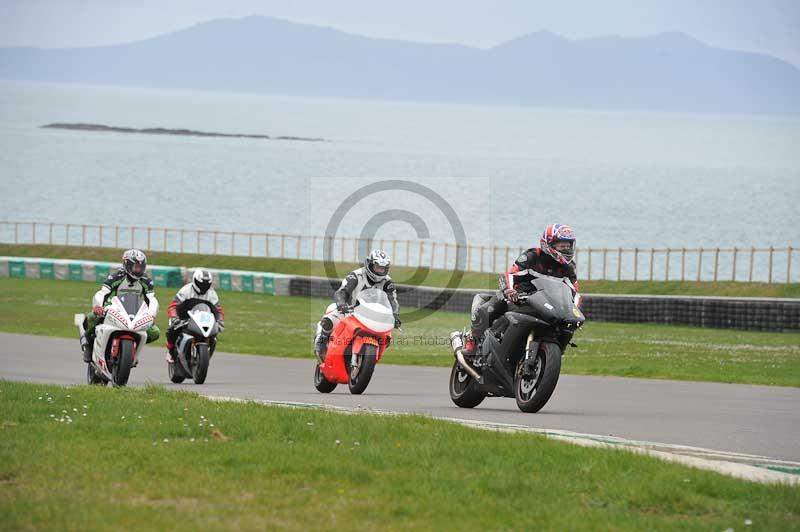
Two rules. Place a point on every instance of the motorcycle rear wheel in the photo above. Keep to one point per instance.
(92, 377)
(322, 384)
(464, 390)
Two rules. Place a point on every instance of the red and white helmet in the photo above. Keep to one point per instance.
(558, 241)
(134, 262)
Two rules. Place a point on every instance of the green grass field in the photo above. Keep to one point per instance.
(405, 275)
(86, 458)
(283, 326)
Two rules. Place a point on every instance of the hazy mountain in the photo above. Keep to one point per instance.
(670, 71)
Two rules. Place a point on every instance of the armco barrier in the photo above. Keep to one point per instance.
(761, 314)
(163, 276)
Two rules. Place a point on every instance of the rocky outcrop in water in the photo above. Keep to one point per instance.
(166, 131)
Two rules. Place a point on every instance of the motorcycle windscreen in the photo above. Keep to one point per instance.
(131, 303)
(203, 322)
(557, 297)
(374, 310)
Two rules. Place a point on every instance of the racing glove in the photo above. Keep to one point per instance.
(221, 325)
(343, 308)
(99, 311)
(397, 322)
(511, 294)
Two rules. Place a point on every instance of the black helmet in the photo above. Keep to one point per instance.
(134, 262)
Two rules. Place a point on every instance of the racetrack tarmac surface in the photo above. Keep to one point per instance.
(761, 420)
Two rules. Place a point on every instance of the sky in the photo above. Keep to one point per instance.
(766, 26)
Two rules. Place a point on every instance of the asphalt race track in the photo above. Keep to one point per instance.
(760, 420)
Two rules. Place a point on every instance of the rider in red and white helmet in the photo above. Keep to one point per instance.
(554, 256)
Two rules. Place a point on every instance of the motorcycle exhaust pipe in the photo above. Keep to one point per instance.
(457, 343)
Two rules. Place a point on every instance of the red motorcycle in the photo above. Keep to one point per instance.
(356, 344)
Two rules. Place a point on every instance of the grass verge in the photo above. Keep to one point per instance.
(405, 275)
(84, 458)
(283, 326)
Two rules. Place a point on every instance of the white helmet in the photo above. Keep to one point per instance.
(376, 265)
(201, 280)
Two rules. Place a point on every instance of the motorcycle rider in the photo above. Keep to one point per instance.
(129, 278)
(374, 274)
(554, 256)
(199, 288)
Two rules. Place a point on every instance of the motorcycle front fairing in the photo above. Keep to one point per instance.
(371, 322)
(127, 315)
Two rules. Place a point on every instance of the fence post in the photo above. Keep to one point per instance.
(666, 267)
(652, 256)
(408, 253)
(283, 244)
(233, 242)
(250, 244)
(182, 235)
(197, 241)
(116, 236)
(34, 232)
(446, 249)
(589, 261)
(66, 237)
(605, 257)
(16, 232)
(699, 263)
(133, 236)
(342, 258)
(752, 257)
(165, 239)
(266, 244)
(394, 249)
(683, 264)
(433, 254)
(716, 263)
(355, 249)
(148, 239)
(733, 274)
(101, 230)
(299, 243)
(635, 264)
(215, 243)
(421, 249)
(619, 264)
(50, 235)
(494, 258)
(771, 249)
(789, 264)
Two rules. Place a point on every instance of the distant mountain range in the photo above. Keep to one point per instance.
(670, 71)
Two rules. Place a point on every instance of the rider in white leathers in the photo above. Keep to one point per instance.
(374, 274)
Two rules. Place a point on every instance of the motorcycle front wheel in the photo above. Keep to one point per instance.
(533, 390)
(121, 369)
(361, 373)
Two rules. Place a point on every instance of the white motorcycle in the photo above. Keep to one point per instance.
(118, 339)
(197, 342)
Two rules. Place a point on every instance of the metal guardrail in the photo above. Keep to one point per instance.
(771, 265)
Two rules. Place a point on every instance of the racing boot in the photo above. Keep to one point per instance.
(172, 354)
(462, 341)
(321, 345)
(87, 346)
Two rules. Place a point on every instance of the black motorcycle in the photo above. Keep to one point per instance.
(520, 354)
(197, 340)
